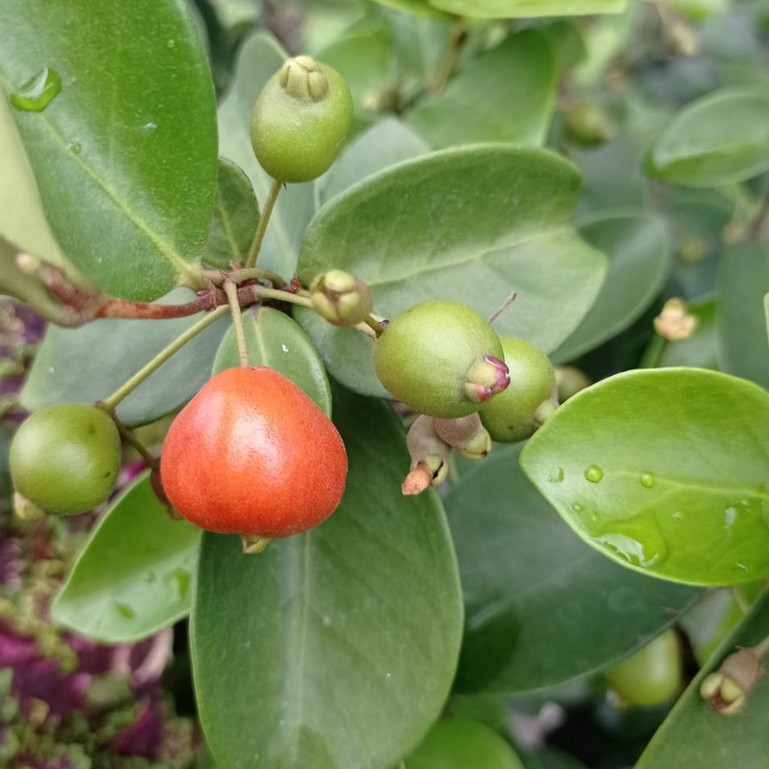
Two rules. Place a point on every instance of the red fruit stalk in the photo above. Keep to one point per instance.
(252, 455)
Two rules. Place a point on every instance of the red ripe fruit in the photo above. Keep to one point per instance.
(251, 454)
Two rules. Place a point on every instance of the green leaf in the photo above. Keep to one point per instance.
(259, 58)
(384, 144)
(125, 154)
(528, 582)
(417, 7)
(87, 364)
(550, 758)
(321, 652)
(664, 471)
(483, 103)
(134, 575)
(517, 9)
(472, 224)
(457, 743)
(276, 340)
(743, 280)
(639, 264)
(719, 139)
(236, 217)
(693, 735)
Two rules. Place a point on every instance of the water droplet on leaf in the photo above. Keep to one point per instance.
(125, 610)
(74, 148)
(36, 94)
(647, 480)
(637, 540)
(593, 474)
(577, 507)
(179, 579)
(556, 475)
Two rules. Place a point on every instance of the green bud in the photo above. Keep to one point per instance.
(340, 298)
(727, 689)
(467, 435)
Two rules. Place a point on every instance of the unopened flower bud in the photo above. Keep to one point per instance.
(467, 435)
(569, 381)
(727, 689)
(26, 510)
(589, 124)
(486, 377)
(429, 457)
(674, 323)
(340, 298)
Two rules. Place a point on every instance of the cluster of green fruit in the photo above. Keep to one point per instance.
(251, 454)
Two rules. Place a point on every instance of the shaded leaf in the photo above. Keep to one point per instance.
(236, 217)
(277, 341)
(505, 94)
(528, 582)
(719, 139)
(87, 364)
(338, 662)
(663, 471)
(134, 575)
(638, 247)
(516, 9)
(125, 154)
(473, 225)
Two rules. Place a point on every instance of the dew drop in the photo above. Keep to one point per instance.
(577, 507)
(678, 515)
(125, 610)
(637, 540)
(36, 94)
(593, 474)
(730, 516)
(149, 576)
(742, 567)
(74, 148)
(555, 475)
(284, 347)
(171, 43)
(647, 480)
(150, 126)
(179, 580)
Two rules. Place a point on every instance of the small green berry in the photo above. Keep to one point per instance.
(440, 358)
(300, 120)
(513, 415)
(65, 459)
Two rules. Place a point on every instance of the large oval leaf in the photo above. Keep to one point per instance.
(134, 575)
(87, 364)
(276, 340)
(474, 225)
(334, 649)
(528, 582)
(258, 59)
(665, 471)
(125, 154)
(638, 248)
(516, 9)
(693, 735)
(485, 102)
(720, 139)
(743, 280)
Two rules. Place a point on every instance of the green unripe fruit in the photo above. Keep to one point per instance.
(440, 358)
(66, 459)
(651, 676)
(300, 120)
(512, 415)
(589, 124)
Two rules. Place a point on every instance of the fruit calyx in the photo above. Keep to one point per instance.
(486, 377)
(303, 79)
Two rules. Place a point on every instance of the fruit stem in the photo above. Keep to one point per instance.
(451, 57)
(262, 292)
(256, 243)
(130, 438)
(111, 402)
(237, 321)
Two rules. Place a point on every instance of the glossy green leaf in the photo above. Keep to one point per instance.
(505, 94)
(743, 280)
(134, 575)
(457, 743)
(693, 735)
(87, 364)
(236, 216)
(664, 471)
(529, 583)
(516, 9)
(472, 224)
(698, 351)
(638, 247)
(567, 40)
(320, 652)
(719, 139)
(259, 58)
(124, 153)
(276, 340)
(384, 144)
